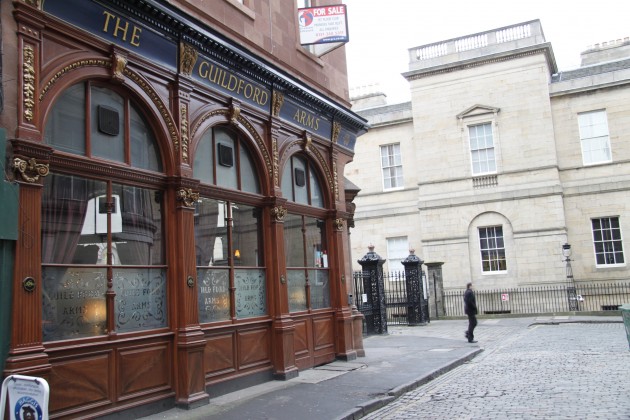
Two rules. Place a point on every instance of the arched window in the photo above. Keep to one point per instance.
(112, 129)
(96, 230)
(300, 184)
(228, 235)
(222, 159)
(305, 239)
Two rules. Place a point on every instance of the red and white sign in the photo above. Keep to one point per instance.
(323, 25)
(505, 297)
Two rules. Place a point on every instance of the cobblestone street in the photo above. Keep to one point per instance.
(542, 371)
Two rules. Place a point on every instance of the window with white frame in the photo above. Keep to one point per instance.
(397, 251)
(492, 249)
(482, 149)
(391, 164)
(607, 241)
(594, 137)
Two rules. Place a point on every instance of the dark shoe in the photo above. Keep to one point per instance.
(472, 341)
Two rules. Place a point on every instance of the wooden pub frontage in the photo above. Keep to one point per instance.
(182, 222)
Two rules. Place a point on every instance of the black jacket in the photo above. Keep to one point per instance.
(470, 303)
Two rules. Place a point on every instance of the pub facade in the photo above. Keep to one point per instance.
(182, 219)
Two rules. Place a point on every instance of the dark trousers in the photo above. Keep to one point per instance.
(472, 323)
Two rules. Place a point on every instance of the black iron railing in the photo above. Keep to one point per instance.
(542, 299)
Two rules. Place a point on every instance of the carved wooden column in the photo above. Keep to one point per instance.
(191, 384)
(26, 352)
(283, 326)
(191, 343)
(340, 295)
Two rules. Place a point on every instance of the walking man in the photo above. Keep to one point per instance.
(470, 308)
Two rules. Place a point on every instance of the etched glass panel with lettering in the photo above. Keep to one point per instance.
(250, 292)
(214, 294)
(140, 302)
(73, 302)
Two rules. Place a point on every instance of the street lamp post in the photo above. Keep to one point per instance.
(571, 290)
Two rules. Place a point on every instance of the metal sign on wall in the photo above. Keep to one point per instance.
(325, 28)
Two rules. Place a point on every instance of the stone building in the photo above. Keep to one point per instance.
(174, 212)
(498, 161)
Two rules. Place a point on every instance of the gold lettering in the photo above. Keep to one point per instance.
(135, 36)
(108, 16)
(203, 70)
(123, 28)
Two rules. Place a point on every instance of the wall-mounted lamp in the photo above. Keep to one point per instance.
(237, 254)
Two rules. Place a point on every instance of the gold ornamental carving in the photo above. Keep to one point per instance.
(338, 224)
(183, 128)
(187, 58)
(278, 213)
(276, 165)
(336, 129)
(308, 141)
(28, 87)
(277, 101)
(30, 170)
(157, 101)
(99, 62)
(335, 180)
(187, 196)
(119, 63)
(235, 112)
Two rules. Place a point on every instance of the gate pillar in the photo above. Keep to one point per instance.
(417, 304)
(374, 288)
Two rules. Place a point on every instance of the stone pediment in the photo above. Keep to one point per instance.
(477, 110)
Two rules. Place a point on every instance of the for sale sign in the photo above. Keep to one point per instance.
(323, 25)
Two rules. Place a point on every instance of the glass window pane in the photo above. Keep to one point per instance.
(249, 180)
(296, 283)
(65, 128)
(293, 241)
(140, 301)
(107, 118)
(250, 295)
(300, 188)
(204, 158)
(214, 295)
(137, 236)
(144, 150)
(226, 164)
(73, 302)
(246, 240)
(211, 232)
(74, 226)
(320, 289)
(317, 198)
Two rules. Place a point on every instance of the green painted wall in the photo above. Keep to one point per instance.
(8, 235)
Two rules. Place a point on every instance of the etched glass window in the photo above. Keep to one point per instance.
(594, 137)
(307, 263)
(607, 241)
(482, 149)
(229, 257)
(492, 249)
(88, 228)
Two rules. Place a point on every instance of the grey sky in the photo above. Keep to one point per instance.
(382, 31)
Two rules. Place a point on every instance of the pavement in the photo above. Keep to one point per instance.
(397, 362)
